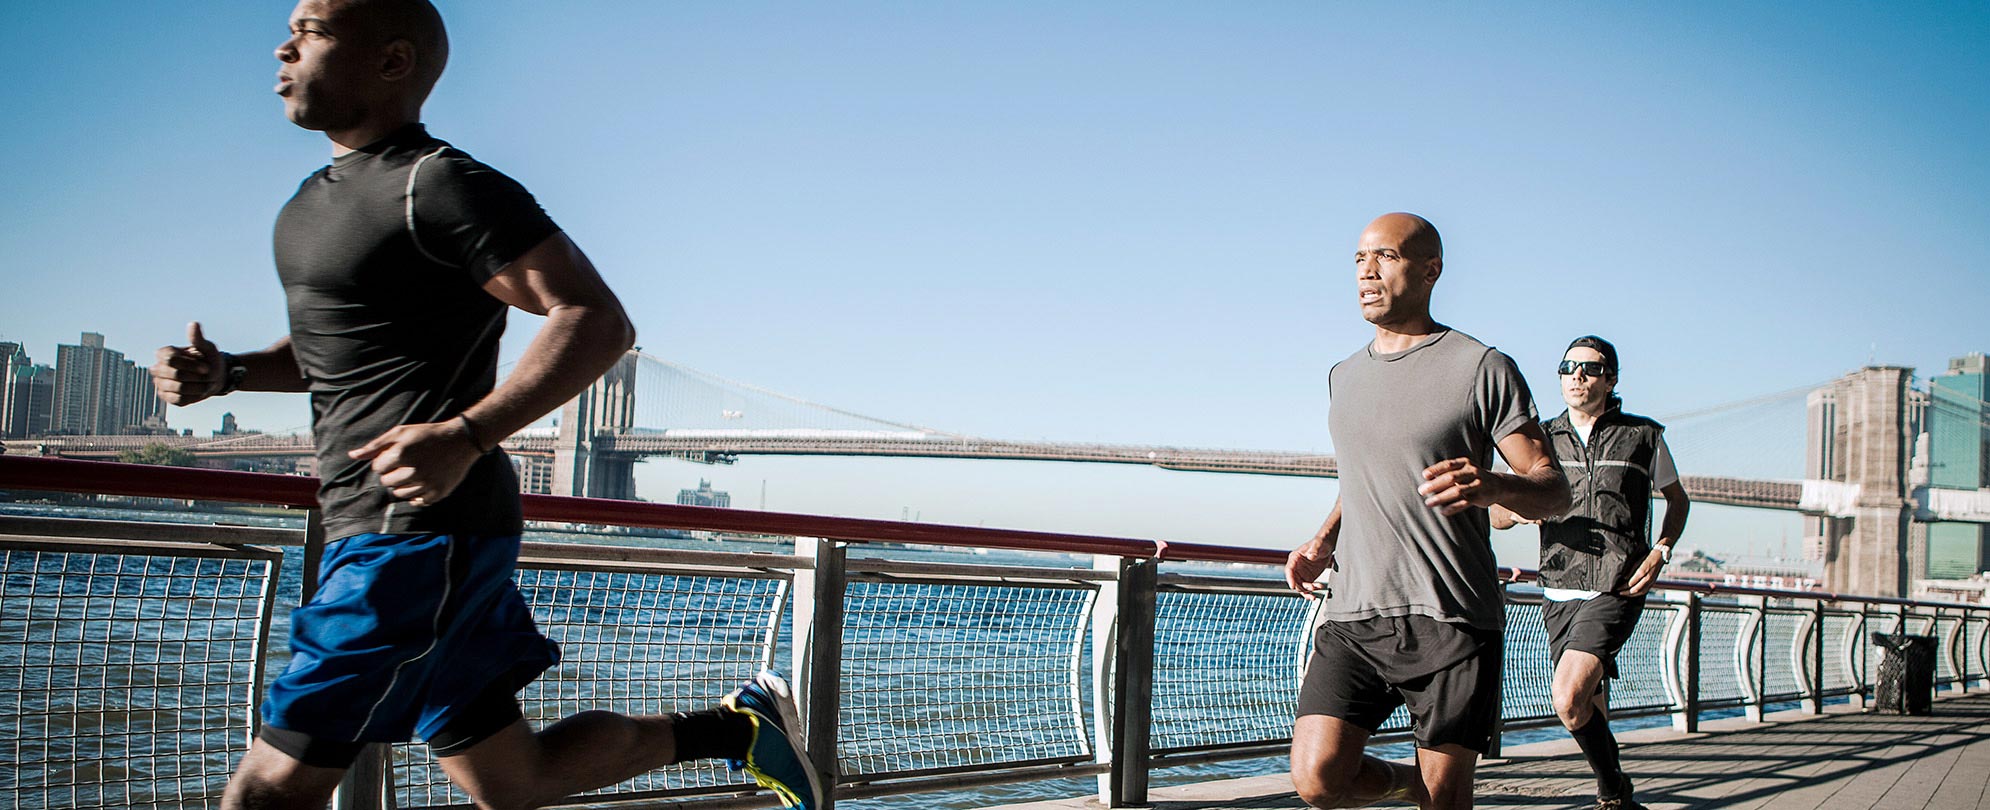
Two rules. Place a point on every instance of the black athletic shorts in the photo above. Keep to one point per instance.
(1447, 673)
(1598, 626)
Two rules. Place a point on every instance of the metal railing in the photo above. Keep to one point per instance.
(132, 654)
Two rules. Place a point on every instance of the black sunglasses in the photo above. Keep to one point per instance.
(1590, 367)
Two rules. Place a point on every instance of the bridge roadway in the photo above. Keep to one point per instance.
(1842, 760)
(724, 447)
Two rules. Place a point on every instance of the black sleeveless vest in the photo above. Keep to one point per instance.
(1605, 535)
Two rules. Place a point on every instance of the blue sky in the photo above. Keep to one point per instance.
(1094, 222)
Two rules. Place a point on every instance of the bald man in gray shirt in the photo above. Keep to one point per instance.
(1414, 614)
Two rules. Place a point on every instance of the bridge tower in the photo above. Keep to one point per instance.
(1861, 441)
(606, 407)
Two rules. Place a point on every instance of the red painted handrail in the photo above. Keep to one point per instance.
(149, 481)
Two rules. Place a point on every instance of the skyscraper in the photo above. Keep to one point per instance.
(27, 393)
(97, 391)
(1959, 458)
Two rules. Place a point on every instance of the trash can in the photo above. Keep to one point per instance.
(1906, 674)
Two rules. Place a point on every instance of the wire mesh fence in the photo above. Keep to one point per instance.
(1724, 653)
(940, 677)
(129, 674)
(1946, 632)
(1226, 668)
(1528, 682)
(635, 644)
(1785, 655)
(1843, 644)
(125, 679)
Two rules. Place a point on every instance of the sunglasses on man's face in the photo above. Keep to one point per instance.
(1589, 367)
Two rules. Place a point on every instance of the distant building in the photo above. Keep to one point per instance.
(228, 426)
(704, 495)
(27, 394)
(535, 473)
(99, 392)
(1958, 457)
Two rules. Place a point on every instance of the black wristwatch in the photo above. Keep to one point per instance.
(232, 374)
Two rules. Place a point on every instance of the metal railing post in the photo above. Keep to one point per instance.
(1953, 648)
(1499, 689)
(1105, 652)
(1133, 683)
(366, 783)
(314, 552)
(1751, 654)
(818, 653)
(1815, 705)
(1689, 717)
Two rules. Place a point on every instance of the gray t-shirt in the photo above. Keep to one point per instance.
(1393, 415)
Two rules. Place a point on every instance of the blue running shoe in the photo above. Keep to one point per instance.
(776, 758)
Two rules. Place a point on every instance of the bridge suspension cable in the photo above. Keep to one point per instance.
(655, 407)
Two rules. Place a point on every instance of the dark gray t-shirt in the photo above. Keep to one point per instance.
(383, 257)
(1393, 415)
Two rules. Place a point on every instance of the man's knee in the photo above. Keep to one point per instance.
(1573, 709)
(268, 779)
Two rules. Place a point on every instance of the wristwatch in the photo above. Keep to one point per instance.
(1664, 552)
(232, 374)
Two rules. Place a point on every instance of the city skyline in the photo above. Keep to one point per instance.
(1101, 223)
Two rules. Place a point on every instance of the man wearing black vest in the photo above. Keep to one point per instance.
(1598, 560)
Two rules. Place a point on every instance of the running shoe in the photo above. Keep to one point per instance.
(1623, 803)
(775, 758)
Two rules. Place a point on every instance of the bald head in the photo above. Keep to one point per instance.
(384, 23)
(1416, 236)
(1396, 265)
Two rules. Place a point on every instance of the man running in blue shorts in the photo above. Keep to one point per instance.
(400, 262)
(1414, 613)
(1597, 560)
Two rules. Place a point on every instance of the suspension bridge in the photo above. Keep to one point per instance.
(1856, 471)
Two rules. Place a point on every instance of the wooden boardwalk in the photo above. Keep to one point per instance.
(1837, 761)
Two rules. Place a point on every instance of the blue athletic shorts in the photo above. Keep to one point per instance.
(403, 633)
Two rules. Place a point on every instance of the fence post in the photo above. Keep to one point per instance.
(1105, 647)
(1815, 705)
(1688, 720)
(365, 786)
(1133, 683)
(1953, 648)
(1753, 655)
(1499, 689)
(818, 653)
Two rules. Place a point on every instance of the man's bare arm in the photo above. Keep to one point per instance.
(1306, 563)
(1676, 507)
(1535, 489)
(585, 333)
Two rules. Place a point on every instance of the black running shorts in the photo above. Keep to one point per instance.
(1446, 673)
(1598, 626)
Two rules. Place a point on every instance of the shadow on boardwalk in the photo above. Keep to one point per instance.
(1795, 762)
